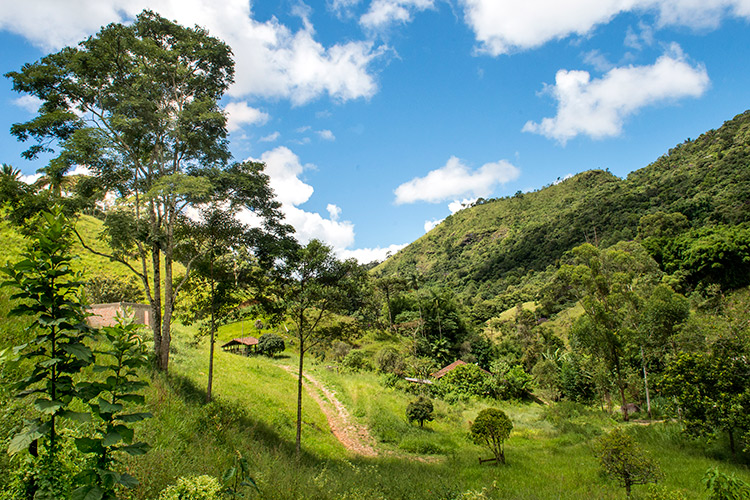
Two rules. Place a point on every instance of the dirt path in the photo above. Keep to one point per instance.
(355, 438)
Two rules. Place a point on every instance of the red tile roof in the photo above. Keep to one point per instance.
(448, 368)
(242, 340)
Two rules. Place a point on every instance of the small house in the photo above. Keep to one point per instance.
(242, 345)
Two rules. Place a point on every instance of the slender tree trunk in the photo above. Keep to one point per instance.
(156, 303)
(169, 299)
(213, 331)
(299, 398)
(645, 383)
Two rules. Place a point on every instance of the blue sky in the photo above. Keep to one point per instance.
(378, 118)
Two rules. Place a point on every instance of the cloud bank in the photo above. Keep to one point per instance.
(271, 59)
(598, 107)
(456, 180)
(507, 26)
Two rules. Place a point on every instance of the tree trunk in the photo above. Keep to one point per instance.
(299, 399)
(156, 304)
(213, 331)
(645, 382)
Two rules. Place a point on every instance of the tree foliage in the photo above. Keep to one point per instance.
(139, 105)
(50, 291)
(711, 390)
(270, 344)
(420, 410)
(491, 428)
(622, 459)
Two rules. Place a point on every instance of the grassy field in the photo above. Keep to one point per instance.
(254, 414)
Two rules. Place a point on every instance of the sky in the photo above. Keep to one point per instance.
(376, 119)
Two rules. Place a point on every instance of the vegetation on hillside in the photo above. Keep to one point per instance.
(546, 327)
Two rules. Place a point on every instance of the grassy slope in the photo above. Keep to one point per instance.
(255, 415)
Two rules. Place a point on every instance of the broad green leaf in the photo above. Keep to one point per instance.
(76, 416)
(88, 445)
(89, 492)
(112, 438)
(46, 406)
(22, 440)
(134, 417)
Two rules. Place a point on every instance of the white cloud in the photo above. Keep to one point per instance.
(31, 178)
(270, 137)
(598, 107)
(28, 102)
(240, 113)
(457, 205)
(333, 211)
(326, 135)
(383, 13)
(271, 59)
(367, 255)
(429, 225)
(284, 169)
(455, 180)
(504, 26)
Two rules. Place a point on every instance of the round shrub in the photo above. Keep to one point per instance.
(420, 410)
(271, 344)
(193, 488)
(355, 361)
(491, 428)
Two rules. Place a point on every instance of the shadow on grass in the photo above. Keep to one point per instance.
(224, 416)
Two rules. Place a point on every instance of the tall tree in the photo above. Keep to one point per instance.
(138, 105)
(607, 283)
(319, 286)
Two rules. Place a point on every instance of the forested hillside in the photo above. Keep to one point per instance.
(487, 248)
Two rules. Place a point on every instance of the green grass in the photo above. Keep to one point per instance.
(254, 414)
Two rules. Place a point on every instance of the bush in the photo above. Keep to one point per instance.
(388, 360)
(271, 344)
(723, 487)
(103, 289)
(420, 410)
(622, 458)
(512, 382)
(355, 361)
(491, 428)
(193, 488)
(466, 379)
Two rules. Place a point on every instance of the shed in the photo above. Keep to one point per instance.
(242, 345)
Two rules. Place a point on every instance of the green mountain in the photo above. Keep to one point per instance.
(501, 243)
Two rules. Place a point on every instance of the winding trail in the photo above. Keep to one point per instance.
(355, 438)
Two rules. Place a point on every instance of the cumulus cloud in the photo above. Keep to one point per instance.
(598, 107)
(367, 255)
(28, 102)
(504, 26)
(270, 137)
(271, 59)
(284, 169)
(429, 225)
(383, 13)
(240, 113)
(455, 180)
(326, 135)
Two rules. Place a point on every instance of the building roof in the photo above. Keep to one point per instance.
(448, 368)
(243, 341)
(452, 366)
